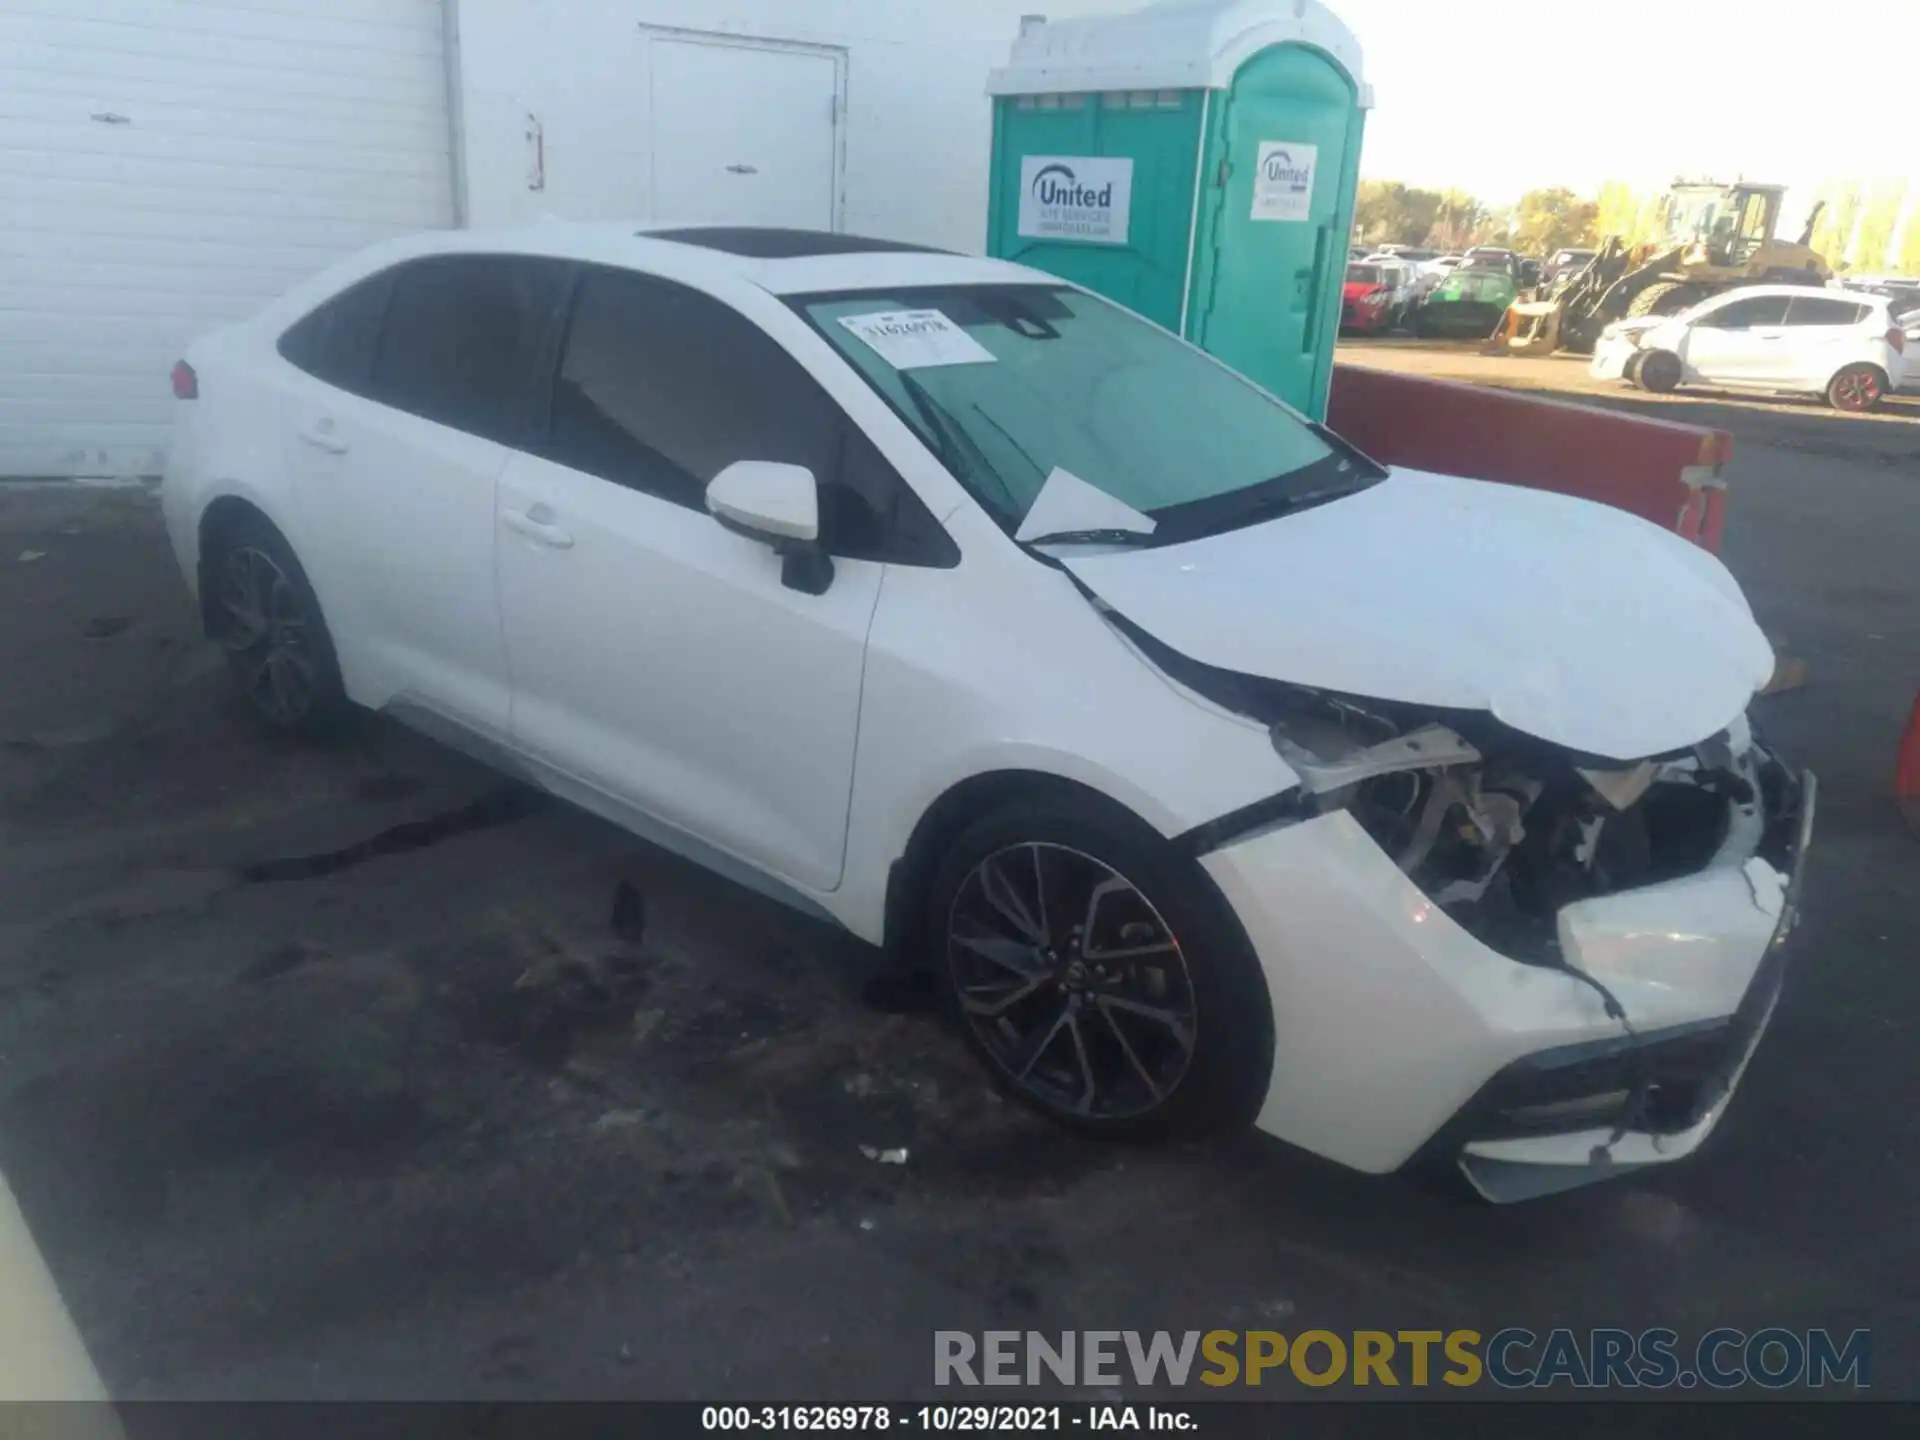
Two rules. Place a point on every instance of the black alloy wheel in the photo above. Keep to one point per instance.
(265, 616)
(1071, 982)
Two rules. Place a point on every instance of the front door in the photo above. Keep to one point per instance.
(1732, 344)
(658, 658)
(745, 134)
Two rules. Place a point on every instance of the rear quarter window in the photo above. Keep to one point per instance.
(336, 341)
(1809, 310)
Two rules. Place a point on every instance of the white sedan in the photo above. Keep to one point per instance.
(966, 609)
(1793, 339)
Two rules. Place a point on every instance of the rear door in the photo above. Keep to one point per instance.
(395, 446)
(1822, 334)
(1732, 343)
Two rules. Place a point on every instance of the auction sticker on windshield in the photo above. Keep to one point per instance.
(917, 339)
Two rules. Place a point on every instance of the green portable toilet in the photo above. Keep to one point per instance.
(1195, 161)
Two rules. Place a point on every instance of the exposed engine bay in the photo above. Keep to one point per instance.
(1503, 830)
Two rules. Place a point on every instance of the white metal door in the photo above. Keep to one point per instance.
(745, 133)
(166, 167)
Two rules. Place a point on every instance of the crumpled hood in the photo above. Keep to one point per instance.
(1571, 621)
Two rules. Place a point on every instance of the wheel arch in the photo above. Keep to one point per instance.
(218, 519)
(1886, 380)
(941, 823)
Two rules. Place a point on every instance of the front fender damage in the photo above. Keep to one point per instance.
(1600, 869)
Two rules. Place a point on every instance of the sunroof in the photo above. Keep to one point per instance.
(755, 243)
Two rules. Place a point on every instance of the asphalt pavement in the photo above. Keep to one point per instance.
(354, 1072)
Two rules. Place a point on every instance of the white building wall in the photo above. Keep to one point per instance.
(915, 133)
(168, 166)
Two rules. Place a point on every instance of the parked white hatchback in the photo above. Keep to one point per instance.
(1795, 339)
(1220, 774)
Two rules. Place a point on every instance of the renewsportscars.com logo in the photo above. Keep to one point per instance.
(1514, 1358)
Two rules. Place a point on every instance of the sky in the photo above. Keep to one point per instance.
(1501, 96)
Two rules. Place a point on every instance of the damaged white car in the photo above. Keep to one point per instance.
(1222, 775)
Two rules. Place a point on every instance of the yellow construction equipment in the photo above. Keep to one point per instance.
(1713, 238)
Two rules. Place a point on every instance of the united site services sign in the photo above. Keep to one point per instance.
(1075, 197)
(1283, 181)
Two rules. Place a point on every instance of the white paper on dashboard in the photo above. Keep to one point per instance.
(917, 339)
(1066, 502)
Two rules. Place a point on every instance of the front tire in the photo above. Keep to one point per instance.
(1099, 973)
(1857, 389)
(279, 652)
(1660, 372)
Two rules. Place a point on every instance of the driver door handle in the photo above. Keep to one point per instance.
(536, 523)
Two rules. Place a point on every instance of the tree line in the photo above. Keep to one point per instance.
(1865, 226)
(1386, 212)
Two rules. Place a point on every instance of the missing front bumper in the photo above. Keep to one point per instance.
(1513, 1140)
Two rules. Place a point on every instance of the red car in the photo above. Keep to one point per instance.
(1367, 300)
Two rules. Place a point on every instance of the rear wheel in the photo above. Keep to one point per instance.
(265, 615)
(1630, 372)
(1100, 974)
(1857, 389)
(1659, 371)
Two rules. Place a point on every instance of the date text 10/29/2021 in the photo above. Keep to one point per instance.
(949, 1419)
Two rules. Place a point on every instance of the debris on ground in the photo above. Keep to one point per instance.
(619, 1120)
(27, 557)
(895, 1156)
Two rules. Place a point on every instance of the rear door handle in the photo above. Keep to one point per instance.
(321, 435)
(537, 525)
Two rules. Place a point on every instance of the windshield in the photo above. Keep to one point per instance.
(1693, 215)
(1365, 275)
(1013, 384)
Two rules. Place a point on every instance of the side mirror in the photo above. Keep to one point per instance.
(778, 505)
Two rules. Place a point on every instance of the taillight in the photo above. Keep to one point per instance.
(1897, 338)
(186, 384)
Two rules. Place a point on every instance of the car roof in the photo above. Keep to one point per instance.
(781, 261)
(1755, 292)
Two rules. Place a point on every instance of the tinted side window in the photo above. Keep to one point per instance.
(335, 343)
(660, 388)
(1805, 310)
(1747, 314)
(459, 338)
